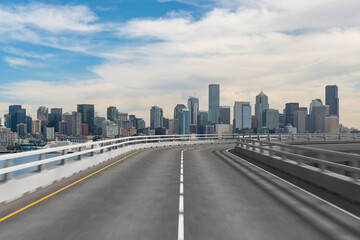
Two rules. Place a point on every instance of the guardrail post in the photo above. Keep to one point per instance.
(62, 162)
(253, 146)
(324, 136)
(261, 149)
(41, 166)
(308, 137)
(280, 138)
(271, 153)
(292, 138)
(7, 176)
(102, 150)
(79, 156)
(92, 153)
(339, 136)
(357, 165)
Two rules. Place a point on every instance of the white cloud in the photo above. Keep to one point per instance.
(50, 18)
(18, 62)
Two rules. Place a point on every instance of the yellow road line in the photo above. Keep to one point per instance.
(62, 189)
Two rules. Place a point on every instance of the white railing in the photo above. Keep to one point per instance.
(346, 164)
(306, 138)
(86, 150)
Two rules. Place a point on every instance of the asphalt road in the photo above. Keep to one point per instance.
(224, 198)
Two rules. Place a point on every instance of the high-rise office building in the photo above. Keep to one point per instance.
(55, 118)
(98, 122)
(314, 102)
(193, 106)
(242, 116)
(109, 129)
(17, 115)
(84, 129)
(260, 106)
(112, 113)
(332, 125)
(156, 117)
(290, 109)
(332, 99)
(67, 119)
(202, 122)
(140, 124)
(271, 119)
(87, 115)
(318, 118)
(63, 127)
(224, 115)
(36, 126)
(28, 121)
(76, 124)
(184, 121)
(300, 120)
(214, 103)
(166, 123)
(49, 133)
(43, 114)
(21, 129)
(177, 111)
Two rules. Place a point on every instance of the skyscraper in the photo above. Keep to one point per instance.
(87, 115)
(55, 118)
(112, 113)
(260, 106)
(319, 114)
(290, 109)
(314, 102)
(202, 122)
(271, 119)
(193, 106)
(156, 117)
(98, 121)
(224, 115)
(214, 103)
(76, 124)
(300, 120)
(242, 115)
(177, 112)
(185, 121)
(332, 99)
(17, 115)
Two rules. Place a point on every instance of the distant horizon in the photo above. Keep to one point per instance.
(138, 54)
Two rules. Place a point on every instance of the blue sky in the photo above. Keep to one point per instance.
(137, 53)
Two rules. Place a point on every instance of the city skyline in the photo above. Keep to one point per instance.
(120, 54)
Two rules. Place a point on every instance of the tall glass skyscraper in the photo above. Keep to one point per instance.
(87, 115)
(260, 106)
(332, 99)
(214, 103)
(156, 117)
(314, 102)
(242, 115)
(193, 106)
(112, 113)
(185, 121)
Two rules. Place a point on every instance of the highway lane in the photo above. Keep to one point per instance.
(224, 198)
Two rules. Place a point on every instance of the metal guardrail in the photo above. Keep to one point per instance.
(307, 138)
(295, 153)
(84, 150)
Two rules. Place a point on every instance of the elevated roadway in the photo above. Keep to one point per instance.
(223, 197)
